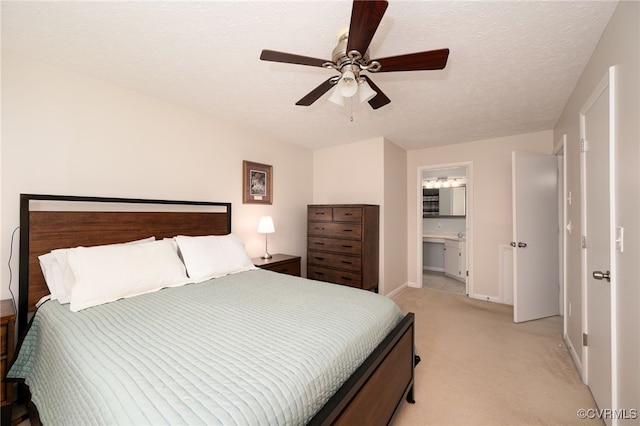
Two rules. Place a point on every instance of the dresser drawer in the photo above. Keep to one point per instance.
(7, 330)
(289, 268)
(338, 230)
(335, 245)
(281, 263)
(3, 388)
(333, 276)
(338, 261)
(320, 214)
(347, 214)
(4, 336)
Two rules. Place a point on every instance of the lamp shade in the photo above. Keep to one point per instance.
(336, 97)
(347, 85)
(365, 92)
(265, 226)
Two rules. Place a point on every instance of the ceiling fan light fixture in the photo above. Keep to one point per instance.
(347, 85)
(336, 97)
(351, 56)
(365, 92)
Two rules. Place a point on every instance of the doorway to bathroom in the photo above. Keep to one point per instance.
(445, 218)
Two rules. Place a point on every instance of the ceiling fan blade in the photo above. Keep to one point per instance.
(431, 60)
(290, 58)
(365, 18)
(315, 94)
(380, 99)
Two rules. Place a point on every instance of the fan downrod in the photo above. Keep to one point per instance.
(352, 60)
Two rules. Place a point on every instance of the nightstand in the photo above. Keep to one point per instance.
(7, 333)
(282, 263)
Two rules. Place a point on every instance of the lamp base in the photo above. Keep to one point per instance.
(266, 256)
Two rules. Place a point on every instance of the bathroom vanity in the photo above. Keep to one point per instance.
(445, 253)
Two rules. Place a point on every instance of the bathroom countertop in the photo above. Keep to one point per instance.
(439, 237)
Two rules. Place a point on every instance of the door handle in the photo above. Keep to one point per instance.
(599, 275)
(522, 245)
(512, 243)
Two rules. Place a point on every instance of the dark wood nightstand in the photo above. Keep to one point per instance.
(7, 333)
(282, 263)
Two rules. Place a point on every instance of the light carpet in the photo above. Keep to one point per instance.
(480, 368)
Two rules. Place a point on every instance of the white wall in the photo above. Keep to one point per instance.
(618, 46)
(394, 220)
(349, 174)
(492, 222)
(369, 172)
(64, 133)
(451, 225)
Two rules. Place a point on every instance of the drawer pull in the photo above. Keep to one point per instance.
(319, 273)
(346, 246)
(347, 262)
(346, 278)
(318, 229)
(319, 244)
(321, 213)
(318, 258)
(348, 230)
(348, 214)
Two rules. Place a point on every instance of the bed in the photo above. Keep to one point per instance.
(247, 347)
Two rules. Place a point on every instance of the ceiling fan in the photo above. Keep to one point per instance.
(351, 57)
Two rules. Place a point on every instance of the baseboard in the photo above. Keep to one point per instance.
(432, 268)
(574, 356)
(397, 290)
(486, 298)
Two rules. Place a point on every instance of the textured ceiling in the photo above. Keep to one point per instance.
(512, 67)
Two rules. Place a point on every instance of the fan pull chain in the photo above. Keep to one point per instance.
(351, 109)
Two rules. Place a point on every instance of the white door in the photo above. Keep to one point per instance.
(536, 288)
(598, 262)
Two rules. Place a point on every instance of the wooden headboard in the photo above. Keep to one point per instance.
(43, 229)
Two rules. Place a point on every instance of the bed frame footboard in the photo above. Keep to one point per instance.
(374, 392)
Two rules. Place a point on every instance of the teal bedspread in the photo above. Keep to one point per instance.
(253, 348)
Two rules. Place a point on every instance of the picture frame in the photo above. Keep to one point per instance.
(257, 183)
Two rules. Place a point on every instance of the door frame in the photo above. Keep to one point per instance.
(608, 81)
(560, 150)
(469, 220)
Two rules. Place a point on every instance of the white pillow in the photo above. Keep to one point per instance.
(51, 272)
(213, 256)
(108, 273)
(58, 274)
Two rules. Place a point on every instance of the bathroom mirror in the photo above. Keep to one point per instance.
(444, 202)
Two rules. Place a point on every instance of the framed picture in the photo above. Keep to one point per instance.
(257, 183)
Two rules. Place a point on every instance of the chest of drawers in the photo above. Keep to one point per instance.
(343, 244)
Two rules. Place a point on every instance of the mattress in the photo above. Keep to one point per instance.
(252, 348)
